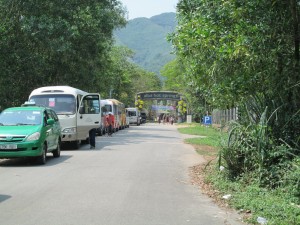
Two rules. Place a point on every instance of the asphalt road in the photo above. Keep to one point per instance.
(140, 176)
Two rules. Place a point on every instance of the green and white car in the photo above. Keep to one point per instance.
(29, 131)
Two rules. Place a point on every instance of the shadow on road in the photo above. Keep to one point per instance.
(31, 162)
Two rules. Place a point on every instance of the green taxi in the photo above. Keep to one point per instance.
(29, 131)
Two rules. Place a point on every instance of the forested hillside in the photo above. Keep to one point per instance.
(147, 38)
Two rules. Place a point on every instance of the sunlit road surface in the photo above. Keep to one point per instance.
(139, 176)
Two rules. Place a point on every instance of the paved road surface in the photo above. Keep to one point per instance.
(137, 177)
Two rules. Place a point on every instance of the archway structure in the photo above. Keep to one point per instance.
(164, 102)
(159, 95)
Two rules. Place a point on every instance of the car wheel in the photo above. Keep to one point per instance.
(41, 160)
(56, 152)
(86, 141)
(75, 144)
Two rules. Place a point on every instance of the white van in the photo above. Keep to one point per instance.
(77, 110)
(134, 116)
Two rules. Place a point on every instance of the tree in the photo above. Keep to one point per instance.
(124, 79)
(233, 50)
(55, 43)
(246, 54)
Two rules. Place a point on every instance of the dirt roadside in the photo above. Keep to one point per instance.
(209, 156)
(197, 176)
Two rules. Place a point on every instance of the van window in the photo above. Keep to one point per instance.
(52, 114)
(20, 117)
(132, 113)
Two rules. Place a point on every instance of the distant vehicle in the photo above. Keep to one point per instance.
(77, 110)
(29, 131)
(134, 116)
(117, 108)
(143, 117)
(101, 129)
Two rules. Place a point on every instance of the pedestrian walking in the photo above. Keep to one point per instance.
(171, 120)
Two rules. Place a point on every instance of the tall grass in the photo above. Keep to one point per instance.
(252, 148)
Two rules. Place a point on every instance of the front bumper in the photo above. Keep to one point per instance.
(24, 149)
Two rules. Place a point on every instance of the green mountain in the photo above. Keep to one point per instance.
(148, 39)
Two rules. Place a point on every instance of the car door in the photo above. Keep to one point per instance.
(56, 129)
(89, 115)
(48, 130)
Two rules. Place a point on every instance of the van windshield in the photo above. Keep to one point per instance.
(132, 113)
(61, 104)
(20, 117)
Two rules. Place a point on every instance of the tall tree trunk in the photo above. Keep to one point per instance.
(294, 93)
(295, 18)
(296, 76)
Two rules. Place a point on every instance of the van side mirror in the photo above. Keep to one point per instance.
(50, 121)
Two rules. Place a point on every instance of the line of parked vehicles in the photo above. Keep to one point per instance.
(55, 116)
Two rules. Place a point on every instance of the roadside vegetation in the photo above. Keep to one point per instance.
(245, 55)
(48, 43)
(207, 135)
(277, 203)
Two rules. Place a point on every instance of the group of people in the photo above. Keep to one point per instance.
(109, 125)
(165, 119)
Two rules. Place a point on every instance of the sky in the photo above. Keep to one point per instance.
(148, 8)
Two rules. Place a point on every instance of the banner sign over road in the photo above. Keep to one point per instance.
(163, 108)
(151, 95)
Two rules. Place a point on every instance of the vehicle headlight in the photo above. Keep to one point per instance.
(69, 130)
(33, 137)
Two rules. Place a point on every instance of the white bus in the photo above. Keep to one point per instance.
(77, 110)
(117, 108)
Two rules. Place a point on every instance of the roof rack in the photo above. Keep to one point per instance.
(28, 103)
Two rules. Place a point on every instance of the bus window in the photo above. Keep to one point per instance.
(90, 105)
(61, 104)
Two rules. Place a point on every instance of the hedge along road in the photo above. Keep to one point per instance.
(139, 176)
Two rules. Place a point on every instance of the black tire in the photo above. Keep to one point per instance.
(56, 152)
(75, 144)
(41, 160)
(86, 141)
